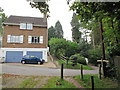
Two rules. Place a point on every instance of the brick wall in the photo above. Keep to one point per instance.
(15, 30)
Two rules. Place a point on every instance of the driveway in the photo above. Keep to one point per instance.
(41, 71)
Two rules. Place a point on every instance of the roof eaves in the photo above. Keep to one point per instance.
(19, 24)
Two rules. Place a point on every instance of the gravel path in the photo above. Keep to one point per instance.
(41, 71)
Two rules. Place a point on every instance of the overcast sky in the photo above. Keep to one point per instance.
(59, 10)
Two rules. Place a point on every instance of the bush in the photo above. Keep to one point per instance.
(114, 50)
(80, 59)
(94, 55)
(60, 47)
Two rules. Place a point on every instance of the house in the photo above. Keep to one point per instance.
(24, 36)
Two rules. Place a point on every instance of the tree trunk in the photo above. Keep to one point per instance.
(102, 38)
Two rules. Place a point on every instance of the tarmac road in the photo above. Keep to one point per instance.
(41, 71)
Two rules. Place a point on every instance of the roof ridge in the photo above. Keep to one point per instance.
(25, 16)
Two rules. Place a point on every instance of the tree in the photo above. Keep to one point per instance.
(76, 34)
(59, 30)
(2, 19)
(57, 47)
(89, 11)
(60, 47)
(41, 5)
(55, 32)
(51, 33)
(107, 14)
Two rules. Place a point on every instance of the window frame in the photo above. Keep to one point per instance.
(26, 26)
(14, 39)
(35, 39)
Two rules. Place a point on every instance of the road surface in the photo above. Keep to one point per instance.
(41, 71)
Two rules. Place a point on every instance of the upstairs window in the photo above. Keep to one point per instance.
(27, 26)
(22, 25)
(14, 39)
(35, 39)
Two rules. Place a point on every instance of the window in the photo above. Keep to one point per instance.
(14, 39)
(27, 26)
(35, 39)
(22, 25)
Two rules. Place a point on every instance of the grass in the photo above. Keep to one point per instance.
(29, 82)
(55, 82)
(69, 66)
(21, 81)
(103, 83)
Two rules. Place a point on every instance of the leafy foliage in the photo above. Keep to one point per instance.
(80, 59)
(83, 48)
(55, 32)
(59, 30)
(61, 47)
(114, 50)
(94, 55)
(3, 17)
(42, 6)
(51, 33)
(71, 49)
(76, 34)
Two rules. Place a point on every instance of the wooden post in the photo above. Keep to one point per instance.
(92, 82)
(99, 71)
(81, 72)
(102, 65)
(61, 71)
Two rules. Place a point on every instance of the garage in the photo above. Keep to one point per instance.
(38, 54)
(14, 56)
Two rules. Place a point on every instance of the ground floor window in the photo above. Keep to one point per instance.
(15, 39)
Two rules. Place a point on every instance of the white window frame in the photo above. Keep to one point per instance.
(14, 39)
(29, 26)
(26, 26)
(41, 39)
(35, 39)
(22, 25)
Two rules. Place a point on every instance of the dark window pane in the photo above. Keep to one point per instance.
(35, 39)
(38, 39)
(32, 39)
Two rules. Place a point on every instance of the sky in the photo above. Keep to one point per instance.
(59, 10)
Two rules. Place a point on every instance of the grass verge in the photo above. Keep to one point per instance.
(21, 81)
(29, 82)
(55, 82)
(69, 66)
(103, 83)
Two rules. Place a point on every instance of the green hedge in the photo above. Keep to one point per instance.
(80, 59)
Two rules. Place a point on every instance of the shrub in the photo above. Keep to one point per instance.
(94, 55)
(114, 50)
(60, 47)
(80, 59)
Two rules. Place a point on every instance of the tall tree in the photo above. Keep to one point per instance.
(59, 30)
(55, 32)
(88, 11)
(76, 34)
(51, 33)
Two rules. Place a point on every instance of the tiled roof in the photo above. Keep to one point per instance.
(24, 19)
